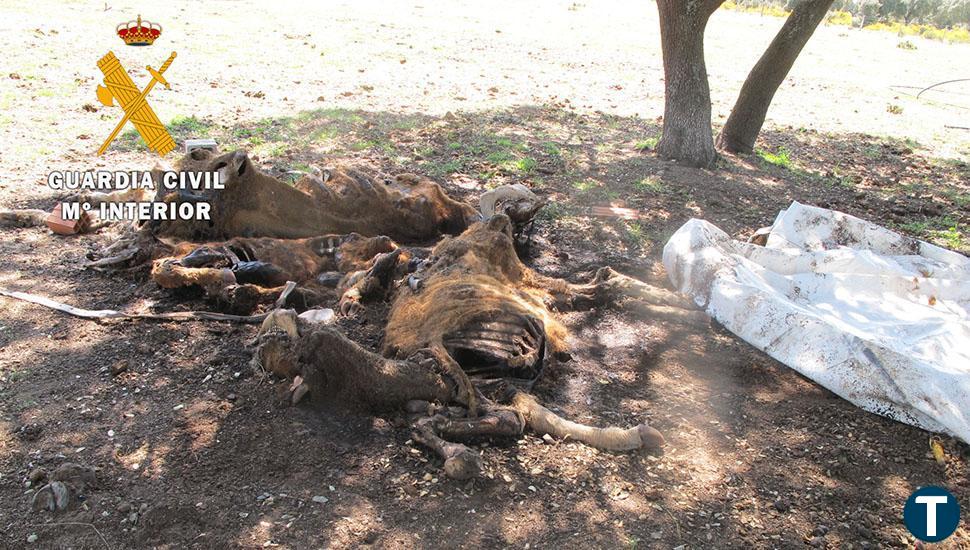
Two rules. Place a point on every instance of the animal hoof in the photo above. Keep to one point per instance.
(464, 465)
(350, 307)
(650, 438)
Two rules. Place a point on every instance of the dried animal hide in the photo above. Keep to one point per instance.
(406, 208)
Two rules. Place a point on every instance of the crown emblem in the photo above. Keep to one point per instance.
(139, 33)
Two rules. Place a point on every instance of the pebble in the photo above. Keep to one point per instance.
(37, 474)
(548, 439)
(320, 499)
(782, 505)
(124, 507)
(32, 538)
(119, 367)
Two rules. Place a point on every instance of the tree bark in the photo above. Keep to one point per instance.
(687, 135)
(748, 114)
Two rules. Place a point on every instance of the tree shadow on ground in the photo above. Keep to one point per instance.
(757, 455)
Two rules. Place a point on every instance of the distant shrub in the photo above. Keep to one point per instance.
(839, 17)
(894, 109)
(770, 10)
(954, 35)
(843, 17)
(773, 11)
(906, 45)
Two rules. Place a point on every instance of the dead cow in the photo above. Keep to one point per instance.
(243, 272)
(468, 333)
(342, 200)
(338, 201)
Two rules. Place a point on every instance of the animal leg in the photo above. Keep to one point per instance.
(543, 421)
(609, 286)
(170, 273)
(460, 461)
(375, 281)
(334, 367)
(465, 390)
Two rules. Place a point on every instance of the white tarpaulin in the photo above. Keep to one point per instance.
(878, 318)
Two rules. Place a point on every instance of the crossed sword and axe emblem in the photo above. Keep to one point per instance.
(119, 86)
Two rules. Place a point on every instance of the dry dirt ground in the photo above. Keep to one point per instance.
(563, 97)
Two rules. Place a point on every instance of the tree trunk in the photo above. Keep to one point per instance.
(687, 134)
(748, 115)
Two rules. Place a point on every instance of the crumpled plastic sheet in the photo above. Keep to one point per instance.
(876, 317)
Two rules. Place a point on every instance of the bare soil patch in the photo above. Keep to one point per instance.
(197, 446)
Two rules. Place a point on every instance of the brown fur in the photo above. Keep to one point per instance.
(300, 259)
(407, 208)
(475, 275)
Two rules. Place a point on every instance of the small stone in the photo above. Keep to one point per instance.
(244, 515)
(231, 397)
(548, 439)
(119, 367)
(143, 508)
(43, 500)
(782, 505)
(37, 474)
(320, 499)
(32, 539)
(75, 474)
(123, 507)
(62, 496)
(133, 518)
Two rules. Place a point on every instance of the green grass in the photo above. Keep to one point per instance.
(554, 211)
(650, 184)
(551, 149)
(363, 145)
(525, 165)
(182, 127)
(941, 230)
(951, 237)
(635, 234)
(962, 200)
(648, 144)
(781, 158)
(499, 157)
(441, 169)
